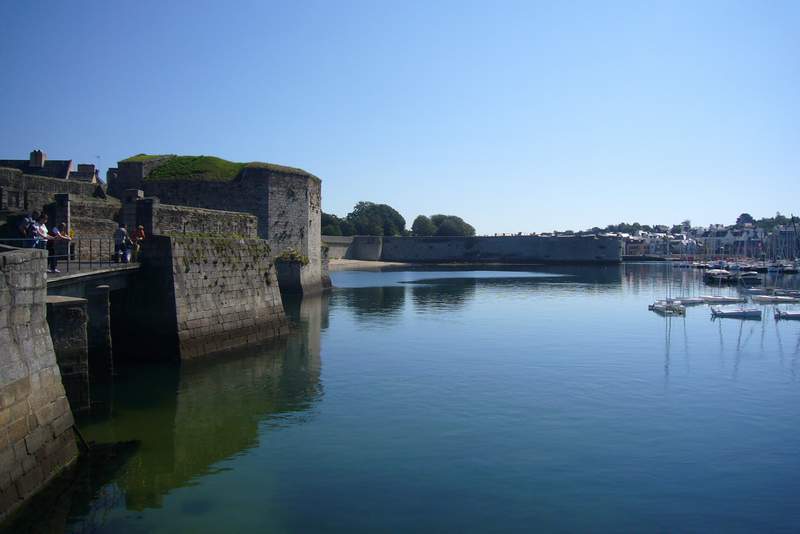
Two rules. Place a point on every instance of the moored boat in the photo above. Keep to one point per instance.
(691, 301)
(787, 314)
(717, 299)
(717, 276)
(774, 299)
(749, 278)
(737, 312)
(667, 307)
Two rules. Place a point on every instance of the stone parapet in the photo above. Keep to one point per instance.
(167, 219)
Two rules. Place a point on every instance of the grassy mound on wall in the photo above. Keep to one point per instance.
(208, 168)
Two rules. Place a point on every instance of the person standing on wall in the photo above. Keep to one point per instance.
(26, 228)
(121, 242)
(57, 234)
(39, 232)
(137, 237)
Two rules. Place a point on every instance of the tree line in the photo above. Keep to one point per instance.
(369, 218)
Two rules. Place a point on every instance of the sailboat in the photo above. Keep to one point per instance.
(787, 314)
(736, 312)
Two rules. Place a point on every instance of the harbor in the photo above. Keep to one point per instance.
(583, 395)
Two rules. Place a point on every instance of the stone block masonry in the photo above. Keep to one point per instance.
(67, 318)
(166, 219)
(36, 437)
(22, 192)
(224, 292)
(504, 249)
(285, 201)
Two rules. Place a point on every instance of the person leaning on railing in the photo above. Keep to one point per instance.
(56, 235)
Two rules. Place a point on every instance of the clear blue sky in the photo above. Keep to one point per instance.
(518, 116)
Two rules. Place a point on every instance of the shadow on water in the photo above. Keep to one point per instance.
(185, 418)
(74, 491)
(448, 294)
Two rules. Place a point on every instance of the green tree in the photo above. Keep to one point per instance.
(330, 224)
(423, 226)
(744, 218)
(347, 227)
(369, 218)
(331, 229)
(451, 225)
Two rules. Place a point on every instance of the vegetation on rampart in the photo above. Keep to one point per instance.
(207, 168)
(145, 157)
(291, 256)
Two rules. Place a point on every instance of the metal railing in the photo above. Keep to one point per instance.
(78, 254)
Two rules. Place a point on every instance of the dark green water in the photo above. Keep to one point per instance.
(466, 402)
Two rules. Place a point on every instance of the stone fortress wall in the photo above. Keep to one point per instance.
(166, 219)
(207, 295)
(93, 214)
(285, 201)
(129, 174)
(505, 249)
(93, 217)
(36, 438)
(24, 193)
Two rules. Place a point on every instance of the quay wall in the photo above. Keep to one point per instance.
(36, 438)
(504, 249)
(205, 295)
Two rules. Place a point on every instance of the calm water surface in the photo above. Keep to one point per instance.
(467, 401)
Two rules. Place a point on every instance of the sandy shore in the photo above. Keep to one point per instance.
(363, 265)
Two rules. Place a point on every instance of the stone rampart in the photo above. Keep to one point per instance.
(506, 249)
(94, 217)
(129, 175)
(242, 194)
(23, 192)
(164, 219)
(214, 294)
(338, 246)
(286, 203)
(36, 438)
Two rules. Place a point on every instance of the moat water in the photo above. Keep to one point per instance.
(464, 401)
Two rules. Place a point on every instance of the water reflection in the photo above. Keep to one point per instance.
(448, 294)
(188, 418)
(372, 304)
